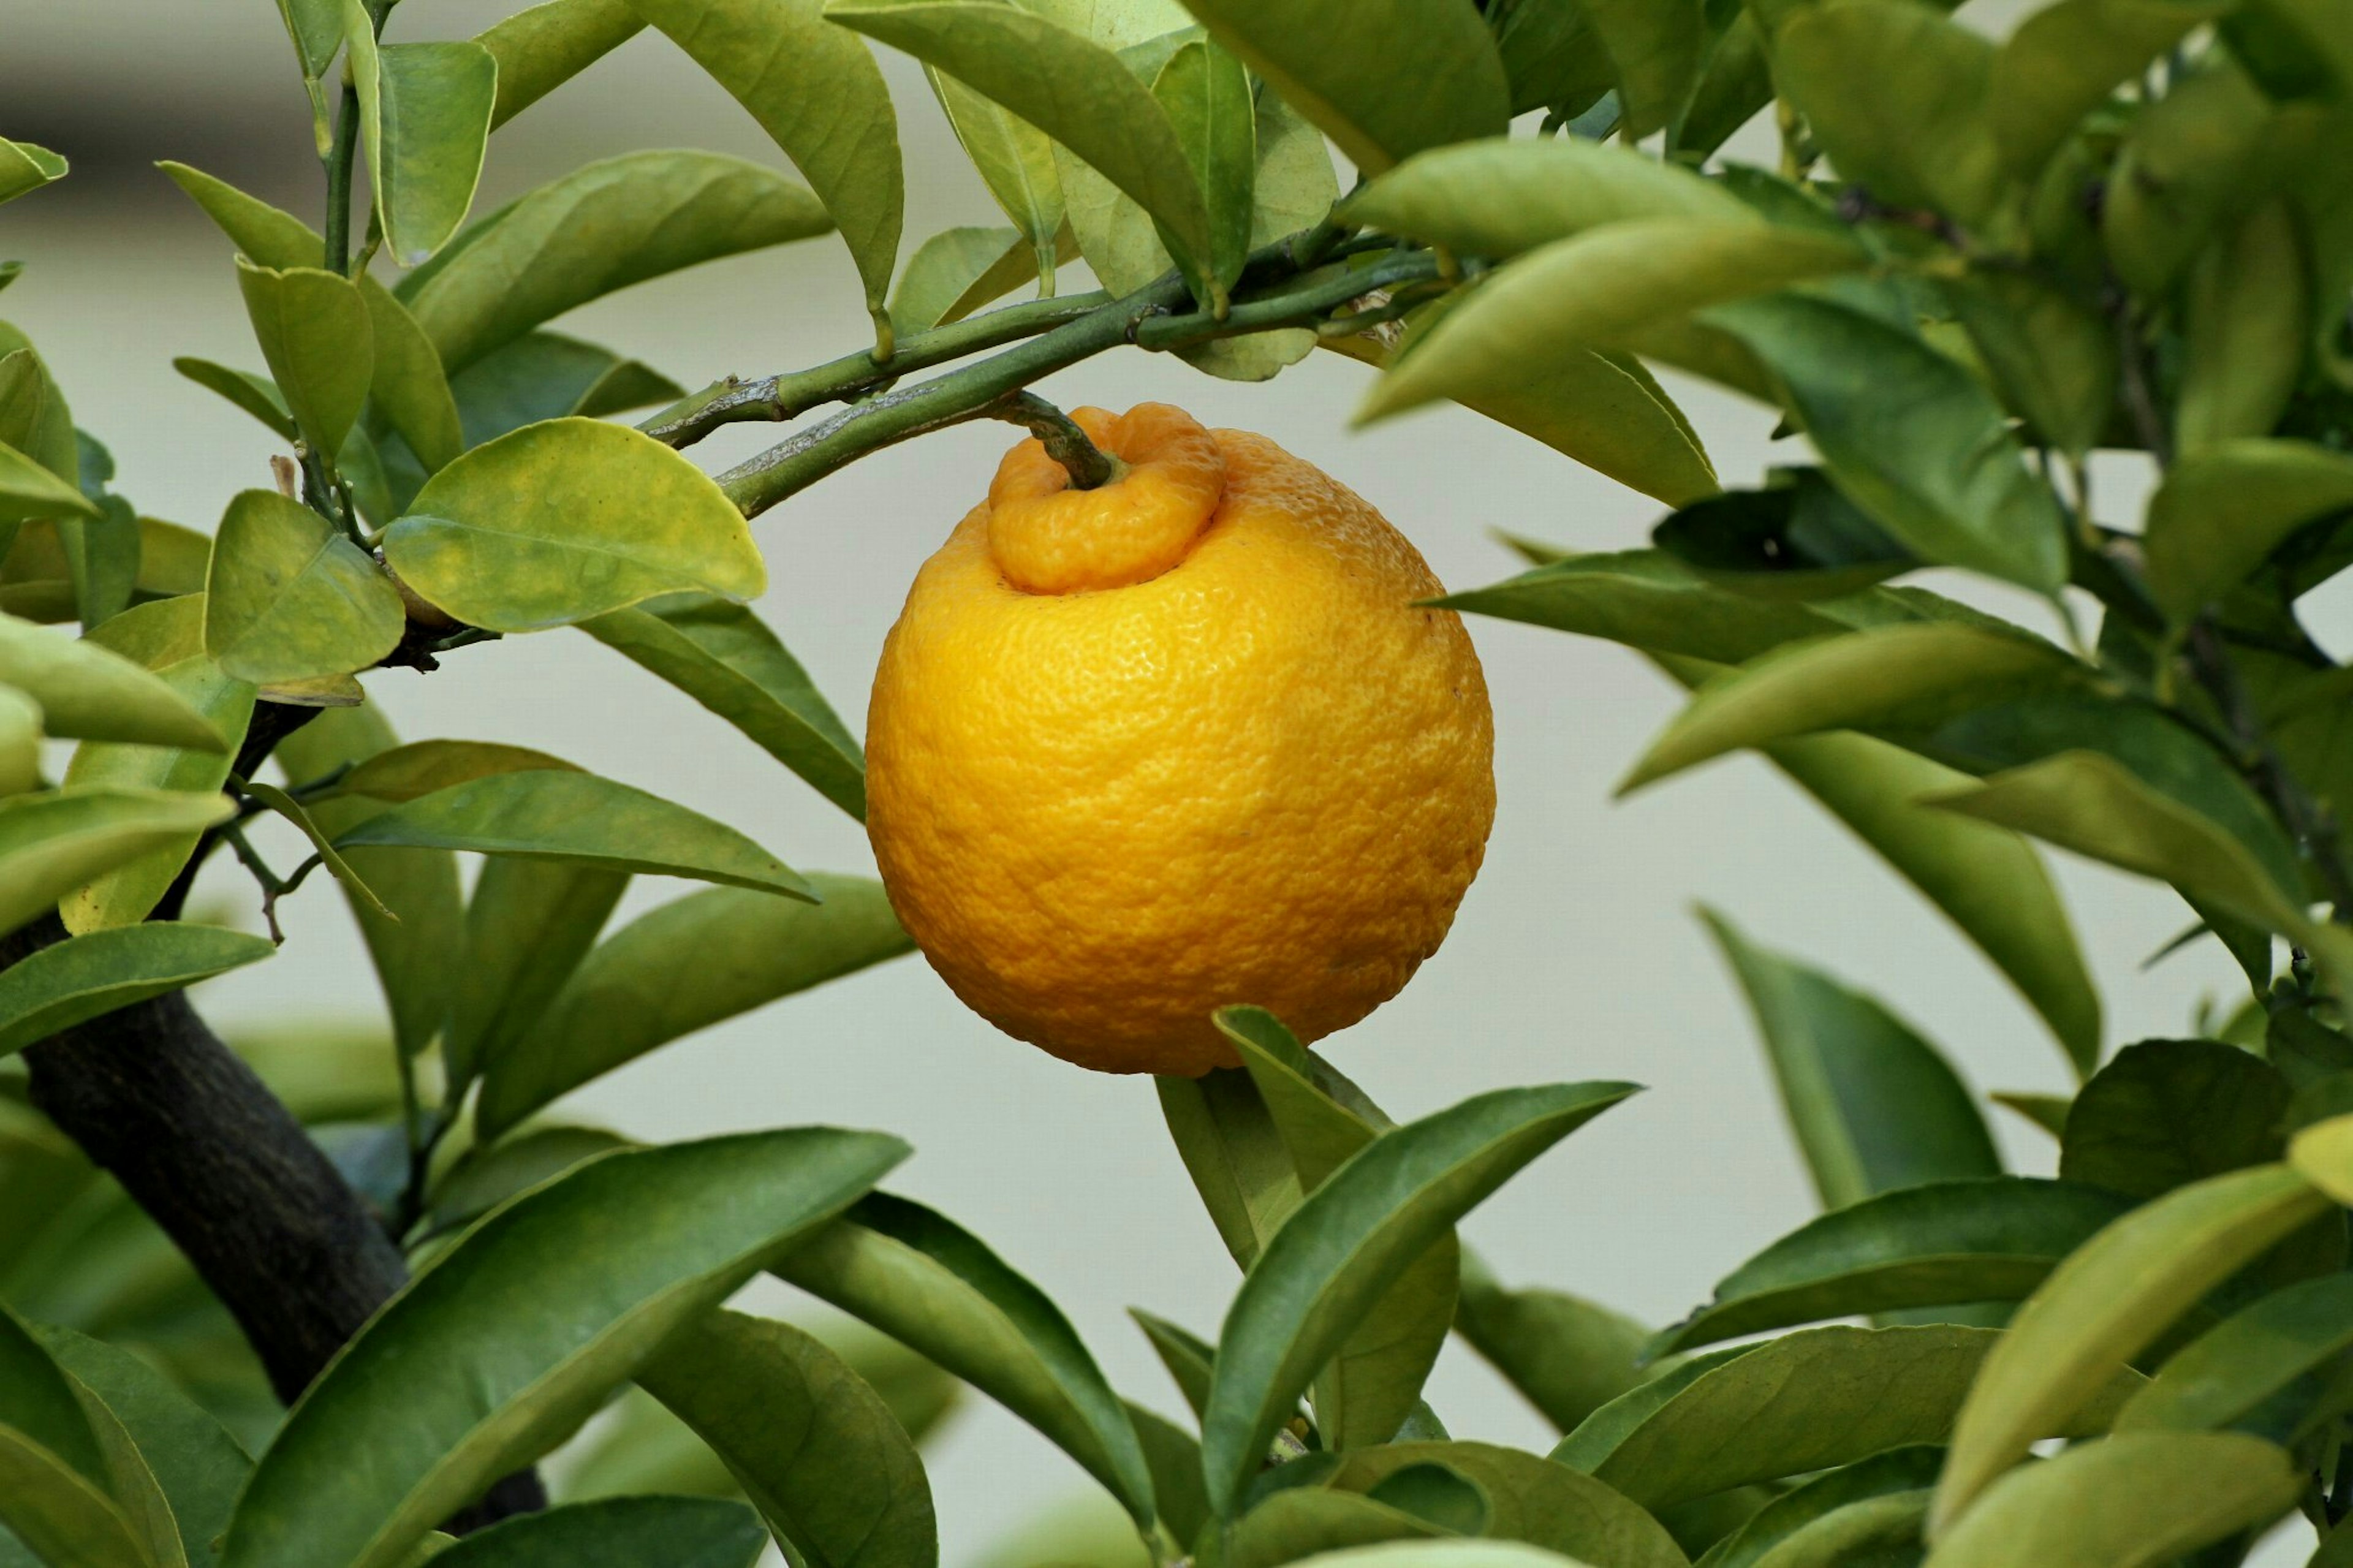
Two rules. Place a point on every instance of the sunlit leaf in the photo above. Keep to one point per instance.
(2128, 1502)
(88, 691)
(539, 48)
(425, 118)
(2065, 60)
(1500, 198)
(289, 598)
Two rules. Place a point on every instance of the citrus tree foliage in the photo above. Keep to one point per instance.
(1974, 264)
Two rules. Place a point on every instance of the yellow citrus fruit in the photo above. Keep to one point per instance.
(1180, 740)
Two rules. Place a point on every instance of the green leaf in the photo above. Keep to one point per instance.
(1185, 1353)
(1070, 89)
(2187, 161)
(73, 981)
(2108, 1301)
(1206, 94)
(26, 168)
(1567, 1356)
(2065, 60)
(2227, 1375)
(1939, 1244)
(416, 955)
(583, 820)
(2220, 511)
(1909, 436)
(54, 842)
(1655, 48)
(425, 116)
(1234, 1153)
(1372, 1381)
(2052, 358)
(20, 742)
(541, 48)
(1802, 1403)
(955, 272)
(1501, 197)
(617, 1533)
(198, 1464)
(1897, 96)
(816, 1449)
(487, 1174)
(938, 1289)
(1353, 1238)
(88, 691)
(495, 1354)
(567, 520)
(642, 1449)
(2165, 1113)
(1307, 1523)
(421, 767)
(1597, 290)
(1016, 161)
(1736, 82)
(726, 659)
(1550, 57)
(269, 237)
(1899, 1472)
(28, 491)
(528, 925)
(818, 93)
(255, 395)
(1796, 538)
(2130, 1502)
(287, 599)
(2097, 807)
(409, 391)
(1648, 600)
(1874, 1106)
(1175, 1462)
(55, 1462)
(167, 637)
(1905, 678)
(314, 329)
(683, 967)
(1528, 1498)
(1337, 62)
(600, 229)
(2246, 321)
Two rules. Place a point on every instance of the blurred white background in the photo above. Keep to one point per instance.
(1574, 956)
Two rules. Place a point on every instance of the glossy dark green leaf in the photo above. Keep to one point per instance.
(2132, 1501)
(1308, 1522)
(2220, 510)
(817, 1451)
(683, 967)
(495, 1354)
(1551, 57)
(539, 48)
(529, 923)
(2109, 1300)
(1655, 49)
(54, 842)
(2247, 318)
(58, 1470)
(1174, 1458)
(198, 1466)
(85, 977)
(425, 120)
(1353, 1236)
(1185, 1353)
(600, 229)
(88, 691)
(815, 90)
(580, 819)
(289, 598)
(421, 767)
(937, 1288)
(1374, 1380)
(550, 525)
(1899, 1472)
(1896, 96)
(315, 333)
(1527, 1499)
(1874, 1106)
(2052, 355)
(256, 394)
(1806, 1401)
(1797, 538)
(1648, 600)
(1072, 89)
(1735, 84)
(415, 956)
(617, 1533)
(167, 637)
(1016, 161)
(2164, 1114)
(1337, 62)
(1597, 290)
(487, 1174)
(1567, 1356)
(725, 657)
(1912, 678)
(1925, 451)
(1939, 1244)
(2065, 60)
